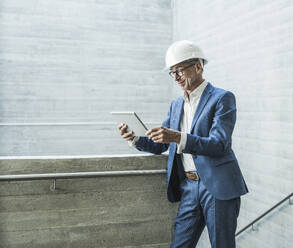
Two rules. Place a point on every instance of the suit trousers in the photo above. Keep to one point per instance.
(197, 209)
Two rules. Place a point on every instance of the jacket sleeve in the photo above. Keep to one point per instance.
(218, 142)
(147, 145)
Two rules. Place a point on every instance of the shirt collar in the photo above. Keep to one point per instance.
(196, 93)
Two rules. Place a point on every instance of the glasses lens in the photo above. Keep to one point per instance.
(179, 73)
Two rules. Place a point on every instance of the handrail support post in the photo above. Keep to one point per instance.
(253, 227)
(53, 185)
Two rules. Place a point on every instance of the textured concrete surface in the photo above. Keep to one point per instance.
(65, 63)
(121, 211)
(57, 73)
(250, 47)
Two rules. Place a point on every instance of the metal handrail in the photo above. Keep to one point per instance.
(46, 176)
(54, 176)
(265, 213)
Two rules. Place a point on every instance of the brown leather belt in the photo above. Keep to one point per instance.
(192, 176)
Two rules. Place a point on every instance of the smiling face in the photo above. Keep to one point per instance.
(190, 75)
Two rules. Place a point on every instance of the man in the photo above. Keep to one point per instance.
(202, 171)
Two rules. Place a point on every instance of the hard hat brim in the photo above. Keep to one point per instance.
(166, 68)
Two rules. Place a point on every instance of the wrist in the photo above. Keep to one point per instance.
(177, 137)
(135, 139)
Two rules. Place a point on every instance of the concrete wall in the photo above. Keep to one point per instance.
(121, 211)
(250, 47)
(65, 64)
(61, 60)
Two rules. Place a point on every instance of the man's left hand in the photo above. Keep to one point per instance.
(164, 135)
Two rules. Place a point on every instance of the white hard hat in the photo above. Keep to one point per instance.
(181, 51)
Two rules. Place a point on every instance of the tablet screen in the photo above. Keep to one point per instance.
(132, 120)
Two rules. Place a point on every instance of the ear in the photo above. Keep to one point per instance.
(198, 67)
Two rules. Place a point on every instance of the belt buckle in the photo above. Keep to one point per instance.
(192, 176)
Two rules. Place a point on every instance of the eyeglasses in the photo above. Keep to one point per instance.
(179, 72)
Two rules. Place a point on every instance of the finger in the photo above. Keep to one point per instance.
(130, 138)
(159, 141)
(162, 141)
(127, 135)
(120, 125)
(155, 134)
(124, 128)
(158, 138)
(152, 130)
(120, 131)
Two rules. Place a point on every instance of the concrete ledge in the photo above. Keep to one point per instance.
(46, 164)
(128, 211)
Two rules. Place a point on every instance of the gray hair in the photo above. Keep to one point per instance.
(196, 60)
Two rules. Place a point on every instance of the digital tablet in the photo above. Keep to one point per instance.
(132, 120)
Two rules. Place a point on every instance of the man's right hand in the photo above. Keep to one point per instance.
(128, 136)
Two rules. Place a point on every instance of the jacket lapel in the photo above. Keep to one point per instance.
(202, 102)
(178, 113)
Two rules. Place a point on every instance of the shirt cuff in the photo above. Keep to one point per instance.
(133, 142)
(182, 143)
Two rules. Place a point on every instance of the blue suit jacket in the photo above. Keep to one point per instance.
(209, 142)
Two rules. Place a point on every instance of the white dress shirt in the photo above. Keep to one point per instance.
(190, 105)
